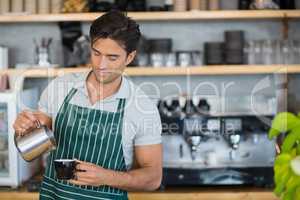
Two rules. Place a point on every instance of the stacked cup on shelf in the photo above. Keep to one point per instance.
(234, 46)
(214, 53)
(157, 52)
(229, 52)
(31, 6)
(268, 52)
(159, 49)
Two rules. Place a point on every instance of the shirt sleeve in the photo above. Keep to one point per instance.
(149, 127)
(53, 95)
(46, 100)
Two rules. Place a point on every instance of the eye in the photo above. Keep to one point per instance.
(96, 53)
(112, 58)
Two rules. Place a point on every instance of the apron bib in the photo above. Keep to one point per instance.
(89, 135)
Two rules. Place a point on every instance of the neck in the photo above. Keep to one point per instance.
(98, 91)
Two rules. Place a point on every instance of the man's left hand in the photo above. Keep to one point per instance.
(89, 174)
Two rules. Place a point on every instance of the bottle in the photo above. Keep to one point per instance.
(56, 6)
(195, 4)
(180, 5)
(16, 6)
(203, 4)
(43, 6)
(244, 4)
(214, 5)
(169, 5)
(4, 6)
(30, 6)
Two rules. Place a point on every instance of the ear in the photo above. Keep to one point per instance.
(130, 57)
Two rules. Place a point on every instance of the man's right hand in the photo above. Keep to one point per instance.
(27, 121)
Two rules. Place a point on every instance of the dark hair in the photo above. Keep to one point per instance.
(118, 27)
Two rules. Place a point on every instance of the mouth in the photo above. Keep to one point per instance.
(106, 71)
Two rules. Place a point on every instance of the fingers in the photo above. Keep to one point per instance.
(82, 182)
(83, 175)
(87, 174)
(83, 162)
(75, 182)
(23, 125)
(30, 115)
(25, 122)
(84, 166)
(78, 161)
(43, 118)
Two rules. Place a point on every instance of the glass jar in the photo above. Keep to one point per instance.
(184, 58)
(16, 6)
(157, 59)
(180, 5)
(30, 6)
(170, 59)
(44, 7)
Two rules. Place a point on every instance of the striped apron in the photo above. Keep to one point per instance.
(89, 135)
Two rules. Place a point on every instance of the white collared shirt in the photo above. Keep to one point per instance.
(141, 123)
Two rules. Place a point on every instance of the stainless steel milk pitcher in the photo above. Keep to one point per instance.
(35, 143)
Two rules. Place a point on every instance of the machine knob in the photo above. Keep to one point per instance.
(180, 176)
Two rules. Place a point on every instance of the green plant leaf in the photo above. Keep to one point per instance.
(283, 122)
(293, 183)
(280, 172)
(297, 193)
(282, 159)
(288, 195)
(290, 140)
(298, 149)
(293, 152)
(283, 178)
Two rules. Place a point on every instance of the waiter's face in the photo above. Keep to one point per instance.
(109, 60)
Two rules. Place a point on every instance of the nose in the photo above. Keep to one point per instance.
(102, 63)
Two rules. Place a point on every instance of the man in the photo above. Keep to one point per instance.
(101, 119)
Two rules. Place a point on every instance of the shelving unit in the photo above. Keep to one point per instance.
(157, 16)
(163, 16)
(164, 71)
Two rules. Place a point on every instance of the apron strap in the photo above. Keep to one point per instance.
(67, 99)
(70, 95)
(121, 106)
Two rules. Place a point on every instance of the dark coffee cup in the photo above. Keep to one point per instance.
(65, 168)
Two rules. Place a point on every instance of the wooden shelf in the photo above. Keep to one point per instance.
(155, 16)
(196, 193)
(293, 14)
(164, 71)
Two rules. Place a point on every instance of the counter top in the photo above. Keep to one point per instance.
(187, 193)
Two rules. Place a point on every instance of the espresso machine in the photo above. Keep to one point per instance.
(205, 149)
